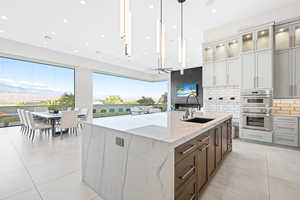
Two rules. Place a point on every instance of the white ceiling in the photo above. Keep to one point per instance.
(92, 30)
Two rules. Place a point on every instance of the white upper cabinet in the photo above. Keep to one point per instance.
(257, 57)
(296, 56)
(283, 74)
(208, 75)
(234, 72)
(248, 71)
(297, 35)
(264, 69)
(264, 39)
(221, 73)
(282, 38)
(216, 57)
(208, 54)
(247, 42)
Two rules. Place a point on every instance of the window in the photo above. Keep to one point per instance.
(122, 95)
(33, 86)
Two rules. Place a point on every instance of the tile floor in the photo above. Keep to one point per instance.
(49, 169)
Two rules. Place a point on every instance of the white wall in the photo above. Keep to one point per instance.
(227, 30)
(84, 90)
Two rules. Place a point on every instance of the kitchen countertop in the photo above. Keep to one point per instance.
(165, 127)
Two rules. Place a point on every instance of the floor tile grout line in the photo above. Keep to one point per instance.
(31, 178)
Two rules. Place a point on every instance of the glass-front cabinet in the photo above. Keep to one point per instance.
(221, 52)
(297, 35)
(233, 48)
(263, 39)
(282, 38)
(248, 42)
(208, 54)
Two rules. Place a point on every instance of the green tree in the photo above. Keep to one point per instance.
(163, 99)
(21, 103)
(146, 101)
(67, 100)
(113, 100)
(131, 102)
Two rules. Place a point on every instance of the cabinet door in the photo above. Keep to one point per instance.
(264, 66)
(282, 74)
(296, 57)
(234, 72)
(211, 163)
(221, 73)
(224, 139)
(248, 71)
(218, 145)
(202, 166)
(208, 75)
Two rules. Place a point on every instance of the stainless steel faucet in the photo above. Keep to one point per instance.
(190, 113)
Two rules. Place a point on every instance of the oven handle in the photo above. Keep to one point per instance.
(256, 115)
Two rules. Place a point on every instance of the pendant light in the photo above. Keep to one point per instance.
(181, 42)
(125, 26)
(161, 39)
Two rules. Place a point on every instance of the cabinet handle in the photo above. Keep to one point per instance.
(205, 147)
(204, 140)
(193, 197)
(188, 150)
(187, 173)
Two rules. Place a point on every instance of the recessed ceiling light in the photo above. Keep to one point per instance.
(4, 17)
(75, 51)
(102, 36)
(66, 21)
(83, 2)
(174, 27)
(148, 37)
(213, 10)
(86, 44)
(151, 6)
(53, 33)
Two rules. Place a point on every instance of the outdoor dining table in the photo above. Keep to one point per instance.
(51, 117)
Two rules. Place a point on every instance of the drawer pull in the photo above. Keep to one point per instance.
(204, 140)
(193, 197)
(187, 173)
(188, 150)
(205, 147)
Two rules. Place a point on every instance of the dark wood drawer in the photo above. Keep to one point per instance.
(185, 149)
(185, 169)
(188, 191)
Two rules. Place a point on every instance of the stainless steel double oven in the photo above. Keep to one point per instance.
(256, 110)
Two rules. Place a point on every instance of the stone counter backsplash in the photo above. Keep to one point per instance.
(286, 106)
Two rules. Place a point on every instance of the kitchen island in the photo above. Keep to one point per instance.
(153, 157)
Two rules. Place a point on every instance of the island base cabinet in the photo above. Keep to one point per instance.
(211, 162)
(218, 145)
(197, 160)
(202, 166)
(189, 190)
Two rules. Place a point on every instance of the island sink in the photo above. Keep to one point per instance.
(199, 120)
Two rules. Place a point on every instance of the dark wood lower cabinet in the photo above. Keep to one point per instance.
(218, 145)
(198, 159)
(202, 153)
(211, 162)
(224, 138)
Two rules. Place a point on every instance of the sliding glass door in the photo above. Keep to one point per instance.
(33, 86)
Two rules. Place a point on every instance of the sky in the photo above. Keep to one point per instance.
(128, 89)
(23, 76)
(35, 76)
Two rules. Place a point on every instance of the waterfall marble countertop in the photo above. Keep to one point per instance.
(165, 127)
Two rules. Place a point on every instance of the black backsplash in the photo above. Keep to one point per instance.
(191, 76)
